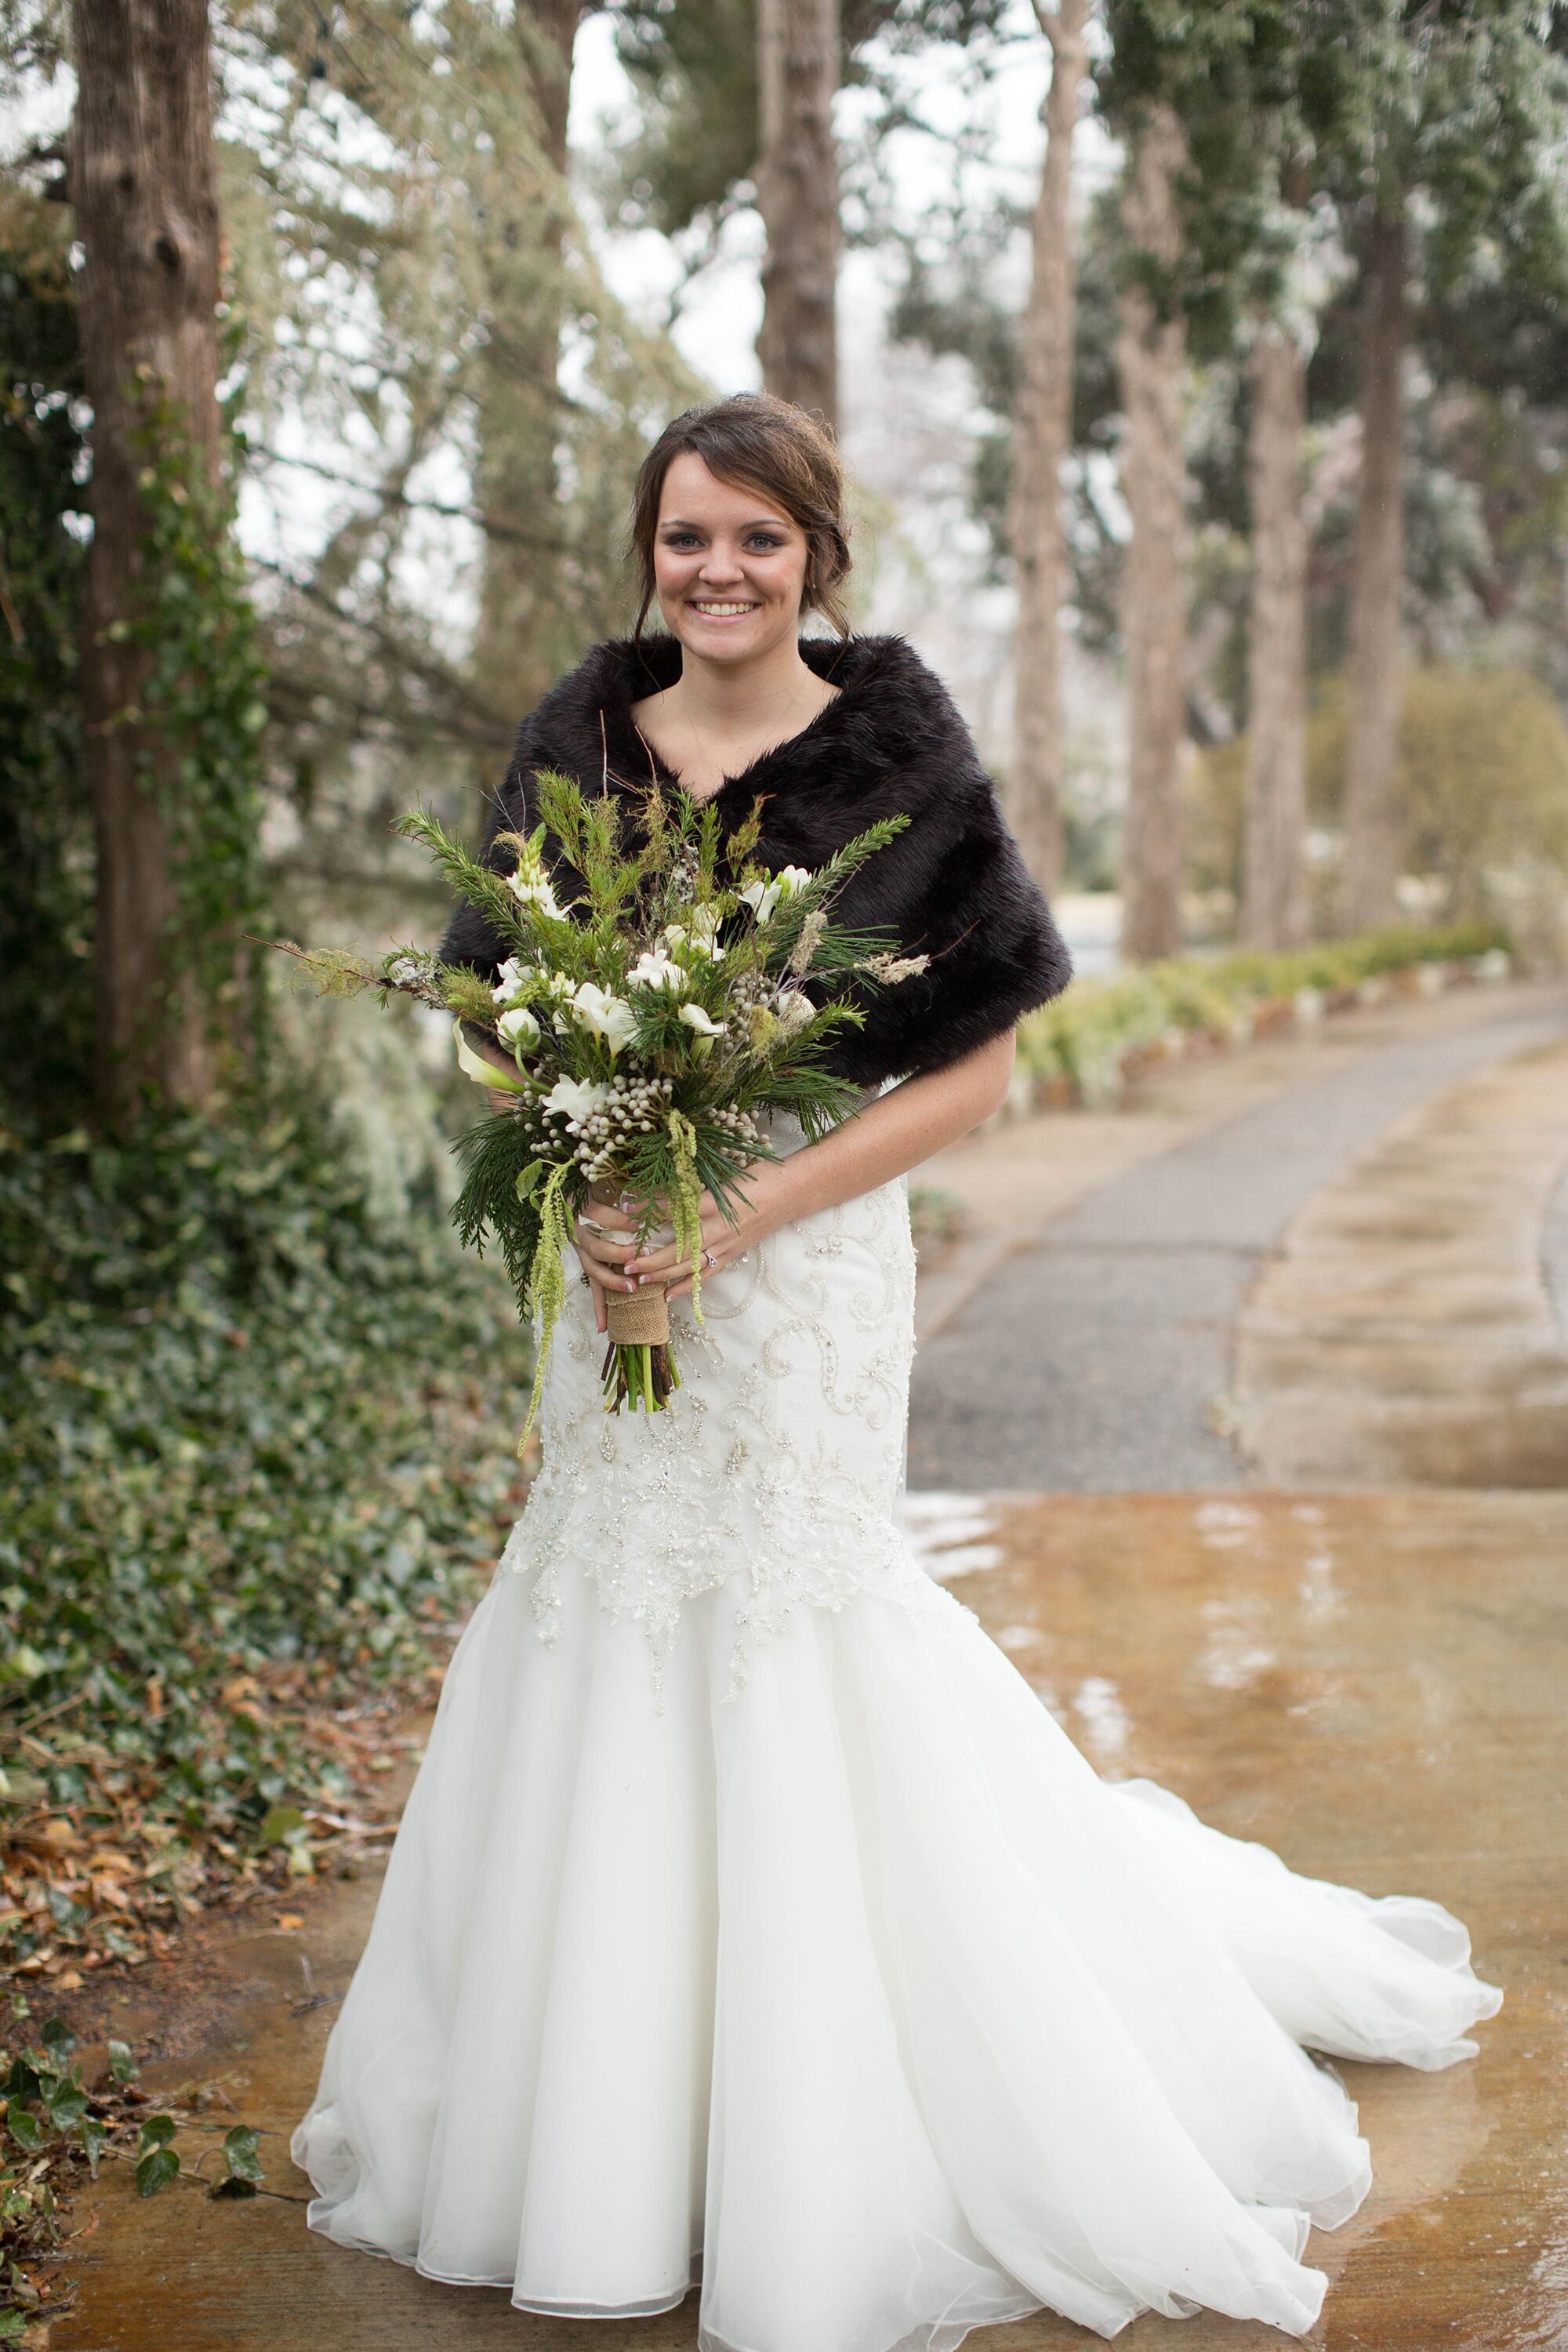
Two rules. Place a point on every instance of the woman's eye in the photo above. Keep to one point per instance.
(765, 540)
(680, 539)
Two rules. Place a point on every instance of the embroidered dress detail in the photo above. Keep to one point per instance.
(778, 1461)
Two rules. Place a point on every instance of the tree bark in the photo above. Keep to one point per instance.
(1274, 892)
(1042, 435)
(1373, 829)
(142, 182)
(518, 646)
(797, 195)
(1151, 355)
(548, 32)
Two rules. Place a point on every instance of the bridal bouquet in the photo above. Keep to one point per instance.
(647, 1025)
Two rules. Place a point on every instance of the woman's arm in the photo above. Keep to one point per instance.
(892, 1134)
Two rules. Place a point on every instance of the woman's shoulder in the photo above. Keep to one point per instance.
(894, 704)
(584, 719)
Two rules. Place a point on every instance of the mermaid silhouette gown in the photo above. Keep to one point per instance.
(752, 1923)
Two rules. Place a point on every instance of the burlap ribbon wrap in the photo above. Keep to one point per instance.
(638, 1319)
(635, 1319)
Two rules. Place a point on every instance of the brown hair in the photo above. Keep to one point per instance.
(758, 443)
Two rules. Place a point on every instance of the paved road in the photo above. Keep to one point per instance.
(1098, 1360)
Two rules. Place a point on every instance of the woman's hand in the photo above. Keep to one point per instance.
(604, 1238)
(884, 1138)
(768, 1201)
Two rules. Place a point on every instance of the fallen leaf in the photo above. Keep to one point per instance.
(287, 1919)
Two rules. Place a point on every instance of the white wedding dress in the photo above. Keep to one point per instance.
(751, 1922)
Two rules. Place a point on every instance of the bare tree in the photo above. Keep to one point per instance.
(1274, 892)
(1151, 356)
(142, 182)
(1372, 831)
(798, 58)
(1042, 433)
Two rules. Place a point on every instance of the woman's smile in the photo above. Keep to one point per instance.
(721, 608)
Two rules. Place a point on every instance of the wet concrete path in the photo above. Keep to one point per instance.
(1405, 1333)
(1371, 1685)
(1099, 1357)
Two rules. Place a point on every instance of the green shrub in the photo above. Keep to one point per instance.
(252, 1445)
(1085, 1040)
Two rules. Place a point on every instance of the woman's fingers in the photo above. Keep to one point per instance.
(603, 1249)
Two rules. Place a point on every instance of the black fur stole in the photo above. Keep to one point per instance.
(952, 885)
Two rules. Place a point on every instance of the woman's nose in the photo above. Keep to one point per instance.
(721, 566)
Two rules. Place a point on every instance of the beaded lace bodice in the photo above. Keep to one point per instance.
(780, 1460)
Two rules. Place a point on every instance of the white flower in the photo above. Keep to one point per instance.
(795, 1010)
(509, 979)
(695, 1018)
(606, 1016)
(518, 1029)
(764, 897)
(701, 937)
(652, 969)
(576, 1097)
(531, 887)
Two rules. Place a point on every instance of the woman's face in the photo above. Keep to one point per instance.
(729, 565)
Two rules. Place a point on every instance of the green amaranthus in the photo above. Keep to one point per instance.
(644, 1027)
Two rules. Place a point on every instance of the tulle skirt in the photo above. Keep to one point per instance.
(860, 1998)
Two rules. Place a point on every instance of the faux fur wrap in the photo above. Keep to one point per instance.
(952, 885)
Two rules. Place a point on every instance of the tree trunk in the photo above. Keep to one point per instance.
(143, 185)
(1151, 355)
(1374, 838)
(519, 644)
(548, 32)
(1274, 893)
(1042, 433)
(797, 195)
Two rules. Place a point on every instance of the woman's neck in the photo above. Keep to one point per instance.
(718, 718)
(737, 699)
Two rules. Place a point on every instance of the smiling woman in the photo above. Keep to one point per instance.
(738, 530)
(751, 1926)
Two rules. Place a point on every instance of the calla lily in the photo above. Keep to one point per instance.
(703, 1022)
(484, 1073)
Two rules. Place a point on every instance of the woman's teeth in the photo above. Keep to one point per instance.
(715, 612)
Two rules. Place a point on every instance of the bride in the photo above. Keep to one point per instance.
(751, 1922)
